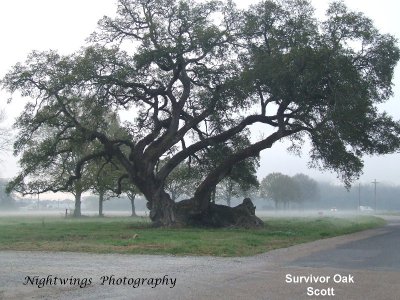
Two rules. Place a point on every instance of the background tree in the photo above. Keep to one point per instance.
(47, 166)
(240, 180)
(309, 190)
(102, 177)
(132, 192)
(283, 189)
(199, 76)
(104, 173)
(227, 189)
(78, 187)
(183, 180)
(7, 201)
(280, 188)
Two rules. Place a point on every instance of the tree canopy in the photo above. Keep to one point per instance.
(279, 188)
(196, 75)
(5, 140)
(309, 189)
(283, 189)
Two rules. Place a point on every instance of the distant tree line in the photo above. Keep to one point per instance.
(303, 192)
(334, 195)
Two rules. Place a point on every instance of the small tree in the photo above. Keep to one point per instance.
(132, 192)
(102, 177)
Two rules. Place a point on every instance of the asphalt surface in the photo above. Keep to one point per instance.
(379, 252)
(363, 266)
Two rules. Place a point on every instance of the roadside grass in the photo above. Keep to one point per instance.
(390, 213)
(136, 236)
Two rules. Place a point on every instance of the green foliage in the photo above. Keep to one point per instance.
(279, 188)
(308, 188)
(182, 181)
(328, 76)
(283, 189)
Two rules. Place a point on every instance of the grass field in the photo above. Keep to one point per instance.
(135, 235)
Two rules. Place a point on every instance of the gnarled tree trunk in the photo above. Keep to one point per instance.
(163, 210)
(216, 215)
(185, 213)
(199, 210)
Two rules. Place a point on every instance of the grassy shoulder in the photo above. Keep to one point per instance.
(135, 235)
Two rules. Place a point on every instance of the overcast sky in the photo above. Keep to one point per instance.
(63, 25)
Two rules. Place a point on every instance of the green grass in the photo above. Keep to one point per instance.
(135, 235)
(390, 213)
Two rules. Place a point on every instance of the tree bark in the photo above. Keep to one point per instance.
(132, 199)
(162, 209)
(166, 213)
(214, 191)
(203, 193)
(216, 215)
(198, 210)
(101, 201)
(77, 210)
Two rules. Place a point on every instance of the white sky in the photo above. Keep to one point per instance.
(63, 25)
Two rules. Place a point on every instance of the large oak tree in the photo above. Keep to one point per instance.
(191, 75)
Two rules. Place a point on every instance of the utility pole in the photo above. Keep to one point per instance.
(375, 183)
(359, 196)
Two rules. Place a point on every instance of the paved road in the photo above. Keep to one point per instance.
(363, 274)
(378, 252)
